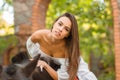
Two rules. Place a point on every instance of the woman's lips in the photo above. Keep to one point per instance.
(57, 33)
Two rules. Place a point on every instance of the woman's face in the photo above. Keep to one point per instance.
(61, 28)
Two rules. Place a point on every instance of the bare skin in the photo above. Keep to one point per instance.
(53, 43)
(54, 49)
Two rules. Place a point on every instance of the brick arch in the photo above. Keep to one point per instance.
(116, 20)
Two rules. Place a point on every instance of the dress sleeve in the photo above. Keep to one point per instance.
(84, 73)
(32, 48)
(62, 72)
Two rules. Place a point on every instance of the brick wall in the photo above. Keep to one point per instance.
(116, 18)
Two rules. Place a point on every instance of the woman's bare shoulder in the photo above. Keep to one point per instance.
(46, 31)
(37, 35)
(42, 31)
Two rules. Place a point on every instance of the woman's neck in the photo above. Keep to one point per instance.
(55, 41)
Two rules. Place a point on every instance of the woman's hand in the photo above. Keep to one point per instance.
(42, 64)
(50, 70)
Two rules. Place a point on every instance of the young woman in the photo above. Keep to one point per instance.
(61, 44)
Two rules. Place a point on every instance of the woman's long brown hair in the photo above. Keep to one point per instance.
(72, 43)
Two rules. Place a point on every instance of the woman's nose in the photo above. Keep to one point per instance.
(61, 28)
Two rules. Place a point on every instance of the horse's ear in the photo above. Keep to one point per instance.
(28, 69)
(20, 57)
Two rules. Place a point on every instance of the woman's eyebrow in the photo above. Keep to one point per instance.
(65, 26)
(61, 22)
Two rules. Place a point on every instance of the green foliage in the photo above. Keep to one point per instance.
(5, 29)
(7, 36)
(9, 2)
(109, 76)
(6, 41)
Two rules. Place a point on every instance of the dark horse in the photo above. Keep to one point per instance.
(21, 68)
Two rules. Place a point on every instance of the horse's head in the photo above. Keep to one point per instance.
(20, 68)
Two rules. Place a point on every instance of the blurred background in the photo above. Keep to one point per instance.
(20, 18)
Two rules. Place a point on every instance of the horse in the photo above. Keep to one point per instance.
(22, 68)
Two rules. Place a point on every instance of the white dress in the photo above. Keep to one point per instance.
(83, 72)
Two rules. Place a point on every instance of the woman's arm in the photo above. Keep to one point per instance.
(39, 35)
(36, 36)
(60, 74)
(51, 71)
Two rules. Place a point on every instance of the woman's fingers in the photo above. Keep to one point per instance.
(41, 68)
(41, 64)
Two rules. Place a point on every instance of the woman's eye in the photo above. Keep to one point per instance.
(66, 29)
(59, 24)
